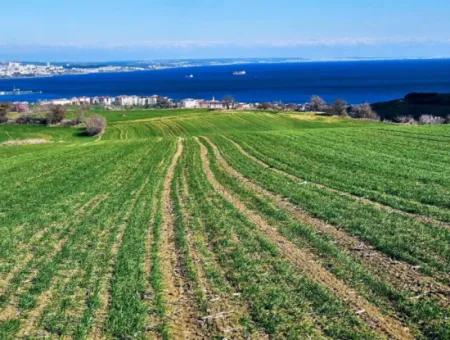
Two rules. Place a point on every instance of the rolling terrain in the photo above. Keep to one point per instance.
(195, 224)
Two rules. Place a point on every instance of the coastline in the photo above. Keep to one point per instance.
(292, 82)
(156, 66)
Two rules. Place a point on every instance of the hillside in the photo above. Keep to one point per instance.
(203, 224)
(415, 105)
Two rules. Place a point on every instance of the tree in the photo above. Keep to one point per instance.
(22, 108)
(164, 103)
(4, 108)
(264, 106)
(56, 114)
(95, 125)
(228, 101)
(339, 108)
(79, 115)
(430, 119)
(364, 111)
(317, 104)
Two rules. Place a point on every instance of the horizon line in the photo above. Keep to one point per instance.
(261, 60)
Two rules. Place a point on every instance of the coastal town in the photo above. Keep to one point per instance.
(156, 101)
(23, 70)
(15, 69)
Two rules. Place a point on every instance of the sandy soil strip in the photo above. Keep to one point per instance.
(401, 274)
(32, 317)
(153, 321)
(11, 310)
(306, 262)
(30, 141)
(29, 325)
(224, 311)
(26, 256)
(182, 317)
(25, 248)
(381, 206)
(88, 206)
(98, 329)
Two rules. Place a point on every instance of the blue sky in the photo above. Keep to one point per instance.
(137, 29)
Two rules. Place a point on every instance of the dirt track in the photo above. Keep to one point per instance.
(181, 313)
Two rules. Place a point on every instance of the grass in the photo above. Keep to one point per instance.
(82, 226)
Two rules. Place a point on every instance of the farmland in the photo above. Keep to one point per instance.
(205, 224)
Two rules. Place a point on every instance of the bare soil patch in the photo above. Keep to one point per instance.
(30, 141)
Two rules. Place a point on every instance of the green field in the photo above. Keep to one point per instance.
(203, 224)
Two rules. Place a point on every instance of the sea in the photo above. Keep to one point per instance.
(353, 81)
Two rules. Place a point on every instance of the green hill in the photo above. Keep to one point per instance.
(200, 224)
(415, 104)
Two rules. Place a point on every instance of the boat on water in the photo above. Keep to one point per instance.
(239, 73)
(189, 76)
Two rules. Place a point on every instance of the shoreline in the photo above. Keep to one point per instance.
(233, 62)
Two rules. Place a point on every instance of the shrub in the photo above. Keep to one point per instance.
(405, 119)
(56, 114)
(317, 104)
(69, 122)
(30, 119)
(430, 119)
(364, 111)
(339, 108)
(22, 108)
(95, 125)
(265, 106)
(228, 101)
(3, 117)
(4, 108)
(79, 117)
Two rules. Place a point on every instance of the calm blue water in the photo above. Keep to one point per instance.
(352, 81)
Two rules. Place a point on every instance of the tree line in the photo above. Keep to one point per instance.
(56, 115)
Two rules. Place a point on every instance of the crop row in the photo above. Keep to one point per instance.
(399, 236)
(361, 276)
(399, 186)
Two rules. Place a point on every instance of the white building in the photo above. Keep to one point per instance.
(216, 104)
(60, 102)
(127, 101)
(244, 106)
(107, 101)
(152, 100)
(190, 103)
(84, 100)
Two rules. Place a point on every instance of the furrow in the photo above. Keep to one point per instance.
(224, 312)
(182, 319)
(417, 217)
(399, 273)
(32, 318)
(100, 317)
(306, 262)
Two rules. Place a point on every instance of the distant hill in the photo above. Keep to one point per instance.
(415, 104)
